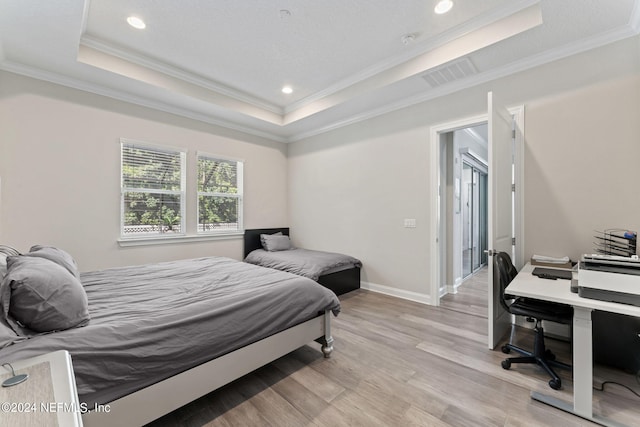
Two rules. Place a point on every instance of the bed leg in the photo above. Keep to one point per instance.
(327, 345)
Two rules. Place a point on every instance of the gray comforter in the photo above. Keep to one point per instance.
(153, 321)
(303, 262)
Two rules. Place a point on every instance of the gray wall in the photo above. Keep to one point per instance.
(60, 170)
(350, 189)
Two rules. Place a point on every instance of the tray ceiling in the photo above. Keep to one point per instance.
(226, 61)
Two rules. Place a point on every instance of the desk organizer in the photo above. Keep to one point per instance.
(616, 242)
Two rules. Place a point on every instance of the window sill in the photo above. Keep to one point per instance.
(167, 240)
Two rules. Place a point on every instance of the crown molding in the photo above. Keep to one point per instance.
(473, 134)
(433, 43)
(178, 73)
(509, 69)
(84, 86)
(629, 30)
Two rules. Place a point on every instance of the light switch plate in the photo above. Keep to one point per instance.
(409, 223)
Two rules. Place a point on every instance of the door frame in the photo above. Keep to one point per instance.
(436, 223)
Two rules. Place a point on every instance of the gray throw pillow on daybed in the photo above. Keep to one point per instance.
(275, 242)
(56, 255)
(42, 296)
(263, 237)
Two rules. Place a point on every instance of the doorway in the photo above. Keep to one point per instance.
(463, 207)
(470, 296)
(448, 191)
(473, 199)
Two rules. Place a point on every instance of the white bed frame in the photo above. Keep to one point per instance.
(152, 402)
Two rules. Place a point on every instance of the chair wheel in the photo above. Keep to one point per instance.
(506, 349)
(506, 364)
(555, 384)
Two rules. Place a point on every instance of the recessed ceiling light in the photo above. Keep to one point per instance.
(136, 22)
(443, 6)
(287, 89)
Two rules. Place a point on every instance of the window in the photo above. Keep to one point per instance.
(153, 190)
(219, 194)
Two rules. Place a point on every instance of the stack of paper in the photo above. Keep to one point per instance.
(550, 260)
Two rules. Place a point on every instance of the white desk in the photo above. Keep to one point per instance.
(527, 285)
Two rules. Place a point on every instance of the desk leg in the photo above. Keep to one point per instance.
(582, 362)
(582, 373)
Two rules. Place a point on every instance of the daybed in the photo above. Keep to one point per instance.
(159, 336)
(338, 272)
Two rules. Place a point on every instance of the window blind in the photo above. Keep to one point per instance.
(153, 185)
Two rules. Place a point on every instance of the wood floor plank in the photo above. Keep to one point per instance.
(275, 409)
(401, 363)
(417, 417)
(310, 378)
(303, 399)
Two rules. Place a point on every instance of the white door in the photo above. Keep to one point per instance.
(500, 207)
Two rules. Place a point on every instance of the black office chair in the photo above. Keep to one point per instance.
(534, 311)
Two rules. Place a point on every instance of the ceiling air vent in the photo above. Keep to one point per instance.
(449, 72)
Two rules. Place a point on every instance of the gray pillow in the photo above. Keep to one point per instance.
(264, 236)
(275, 242)
(3, 265)
(6, 251)
(56, 255)
(43, 296)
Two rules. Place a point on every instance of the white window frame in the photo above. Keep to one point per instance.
(239, 195)
(160, 235)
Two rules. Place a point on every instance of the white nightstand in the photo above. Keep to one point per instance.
(47, 398)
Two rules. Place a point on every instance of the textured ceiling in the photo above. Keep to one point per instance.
(225, 61)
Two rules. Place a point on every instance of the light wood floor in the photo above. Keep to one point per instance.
(399, 363)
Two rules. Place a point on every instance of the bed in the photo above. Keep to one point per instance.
(337, 272)
(161, 335)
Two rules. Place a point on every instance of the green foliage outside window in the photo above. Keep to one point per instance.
(218, 194)
(153, 191)
(152, 181)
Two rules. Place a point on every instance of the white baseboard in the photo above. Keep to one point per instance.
(453, 289)
(395, 292)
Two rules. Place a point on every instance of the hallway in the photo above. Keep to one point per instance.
(472, 295)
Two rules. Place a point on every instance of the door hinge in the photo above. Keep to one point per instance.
(513, 133)
(513, 241)
(513, 188)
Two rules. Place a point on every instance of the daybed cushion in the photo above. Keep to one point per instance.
(303, 262)
(57, 255)
(275, 242)
(42, 296)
